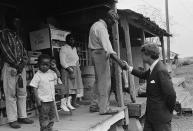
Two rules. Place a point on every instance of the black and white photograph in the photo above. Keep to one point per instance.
(96, 65)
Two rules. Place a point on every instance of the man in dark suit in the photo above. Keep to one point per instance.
(161, 96)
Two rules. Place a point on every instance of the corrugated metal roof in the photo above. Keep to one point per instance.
(140, 21)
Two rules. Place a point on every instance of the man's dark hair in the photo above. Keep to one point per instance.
(109, 14)
(150, 49)
(43, 56)
(112, 14)
(68, 37)
(11, 20)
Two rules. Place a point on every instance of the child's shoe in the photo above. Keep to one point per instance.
(63, 105)
(69, 103)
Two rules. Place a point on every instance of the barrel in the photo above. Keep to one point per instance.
(88, 79)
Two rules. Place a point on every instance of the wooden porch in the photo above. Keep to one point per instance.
(82, 120)
(133, 36)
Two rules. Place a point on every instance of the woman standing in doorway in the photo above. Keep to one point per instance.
(71, 74)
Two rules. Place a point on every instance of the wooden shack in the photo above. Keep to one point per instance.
(77, 16)
(134, 28)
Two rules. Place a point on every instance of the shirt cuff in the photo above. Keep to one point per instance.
(110, 52)
(65, 66)
(59, 81)
(130, 69)
(32, 85)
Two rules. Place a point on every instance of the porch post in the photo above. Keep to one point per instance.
(142, 35)
(163, 49)
(119, 89)
(125, 26)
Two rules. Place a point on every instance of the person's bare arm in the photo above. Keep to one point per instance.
(38, 101)
(120, 62)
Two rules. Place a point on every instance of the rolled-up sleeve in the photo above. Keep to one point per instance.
(63, 62)
(35, 81)
(104, 39)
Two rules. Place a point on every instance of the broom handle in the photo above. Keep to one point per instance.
(56, 112)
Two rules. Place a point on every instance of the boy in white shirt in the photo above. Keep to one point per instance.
(44, 82)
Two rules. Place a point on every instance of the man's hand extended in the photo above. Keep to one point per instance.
(70, 69)
(130, 68)
(120, 62)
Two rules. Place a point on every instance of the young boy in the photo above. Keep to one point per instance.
(44, 82)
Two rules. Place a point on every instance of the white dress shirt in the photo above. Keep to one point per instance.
(99, 37)
(153, 65)
(45, 84)
(68, 56)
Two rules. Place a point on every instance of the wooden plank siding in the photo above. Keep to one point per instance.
(129, 59)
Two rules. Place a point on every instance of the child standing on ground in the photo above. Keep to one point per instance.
(44, 82)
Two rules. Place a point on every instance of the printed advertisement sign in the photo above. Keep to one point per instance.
(58, 34)
(40, 39)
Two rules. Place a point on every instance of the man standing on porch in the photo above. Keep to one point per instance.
(14, 74)
(101, 51)
(161, 96)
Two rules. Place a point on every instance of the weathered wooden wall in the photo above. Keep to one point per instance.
(137, 61)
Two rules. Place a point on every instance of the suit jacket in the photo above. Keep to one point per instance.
(161, 97)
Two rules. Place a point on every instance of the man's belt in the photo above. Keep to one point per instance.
(96, 49)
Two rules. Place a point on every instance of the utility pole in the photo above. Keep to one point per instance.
(168, 30)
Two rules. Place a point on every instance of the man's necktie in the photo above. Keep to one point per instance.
(149, 72)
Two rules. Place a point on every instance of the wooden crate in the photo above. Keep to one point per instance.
(137, 109)
(187, 111)
(34, 53)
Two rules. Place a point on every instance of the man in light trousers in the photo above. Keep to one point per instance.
(101, 52)
(14, 74)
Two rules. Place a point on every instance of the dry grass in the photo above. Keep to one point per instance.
(187, 73)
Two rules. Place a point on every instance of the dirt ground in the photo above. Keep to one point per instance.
(185, 121)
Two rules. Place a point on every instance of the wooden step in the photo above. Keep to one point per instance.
(186, 110)
(106, 123)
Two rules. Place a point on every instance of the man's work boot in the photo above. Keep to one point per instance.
(109, 112)
(25, 121)
(94, 108)
(14, 124)
(74, 104)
